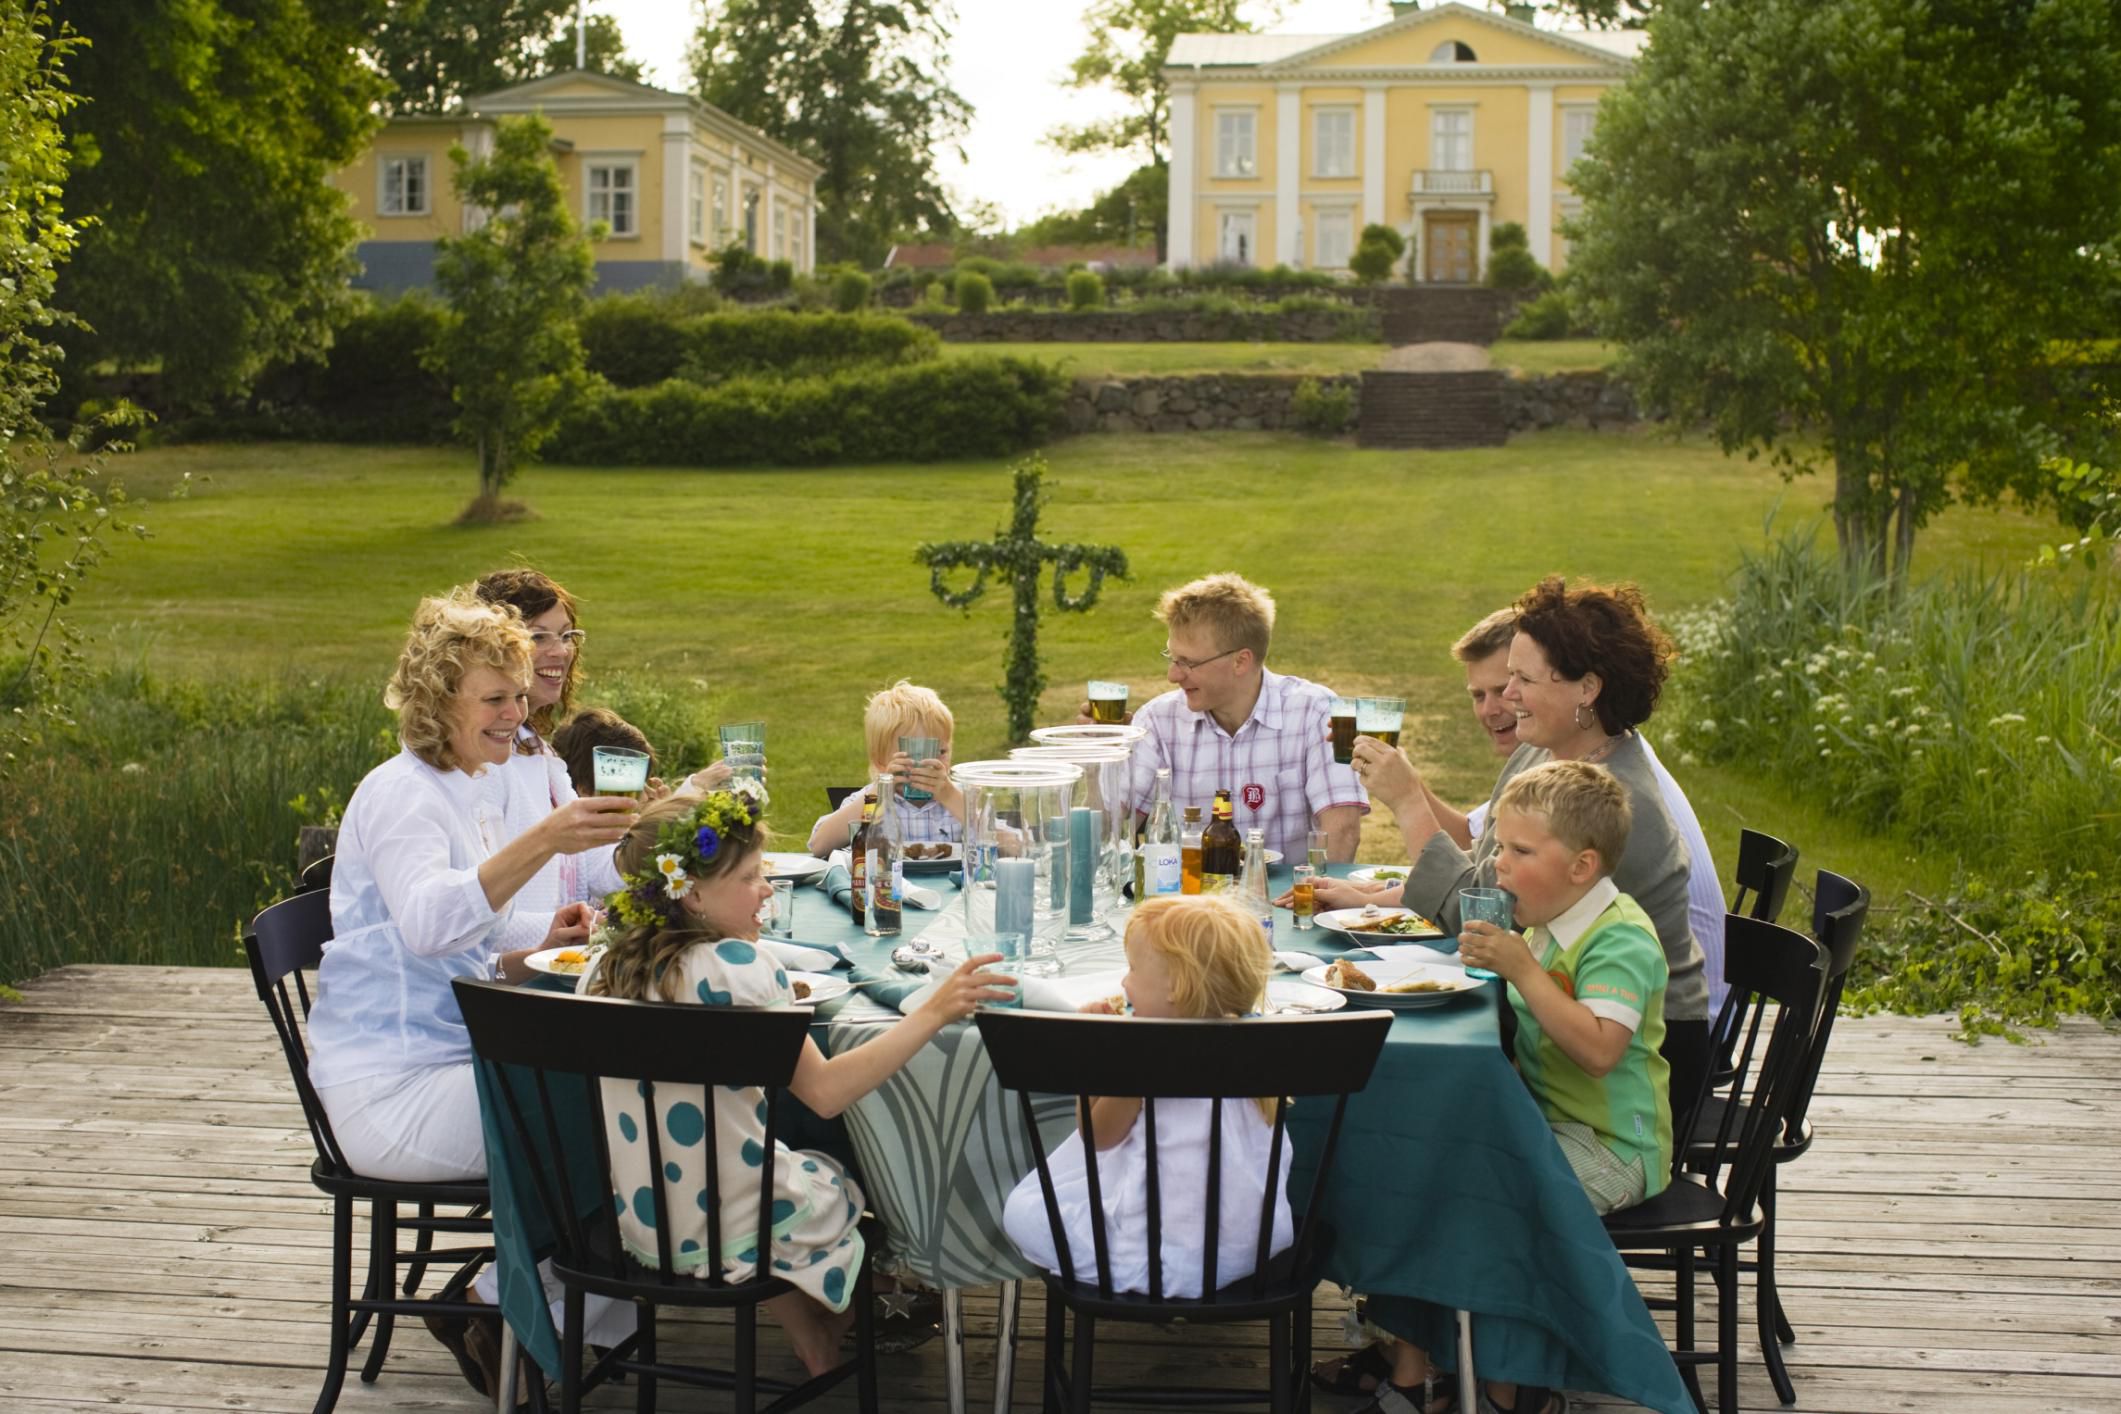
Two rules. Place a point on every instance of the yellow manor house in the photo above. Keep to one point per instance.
(1439, 122)
(674, 178)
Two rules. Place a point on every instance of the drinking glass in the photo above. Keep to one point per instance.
(1380, 717)
(1012, 948)
(1108, 701)
(1303, 898)
(1497, 906)
(1315, 852)
(744, 748)
(620, 770)
(781, 922)
(1343, 719)
(918, 749)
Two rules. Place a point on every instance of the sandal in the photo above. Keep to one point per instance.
(1357, 1373)
(1412, 1399)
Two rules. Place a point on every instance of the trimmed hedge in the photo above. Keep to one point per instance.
(632, 348)
(975, 407)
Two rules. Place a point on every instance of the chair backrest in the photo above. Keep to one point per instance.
(317, 877)
(838, 795)
(1839, 908)
(543, 1054)
(1778, 978)
(285, 941)
(1766, 866)
(1058, 1053)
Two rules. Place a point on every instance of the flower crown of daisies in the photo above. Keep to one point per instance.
(682, 848)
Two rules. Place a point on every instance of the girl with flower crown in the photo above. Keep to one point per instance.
(686, 929)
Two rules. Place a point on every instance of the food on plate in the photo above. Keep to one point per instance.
(1429, 984)
(1388, 876)
(569, 962)
(1349, 978)
(936, 850)
(802, 989)
(1117, 1003)
(1391, 921)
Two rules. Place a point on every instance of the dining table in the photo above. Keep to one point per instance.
(1451, 1209)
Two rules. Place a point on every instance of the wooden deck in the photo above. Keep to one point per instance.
(1953, 1242)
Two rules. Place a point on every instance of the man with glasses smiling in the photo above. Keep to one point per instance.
(1230, 722)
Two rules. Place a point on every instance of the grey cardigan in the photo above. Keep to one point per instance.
(1653, 870)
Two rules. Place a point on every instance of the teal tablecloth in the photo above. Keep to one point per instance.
(1449, 1191)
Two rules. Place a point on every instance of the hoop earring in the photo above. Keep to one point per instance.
(1581, 724)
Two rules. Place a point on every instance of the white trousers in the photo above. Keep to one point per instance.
(423, 1126)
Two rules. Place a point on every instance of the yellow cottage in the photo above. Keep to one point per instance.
(675, 179)
(1440, 122)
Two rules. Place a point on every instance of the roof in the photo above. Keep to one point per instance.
(1211, 50)
(612, 95)
(933, 256)
(1290, 51)
(1058, 257)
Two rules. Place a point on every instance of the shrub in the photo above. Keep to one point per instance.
(1372, 261)
(1387, 236)
(779, 341)
(780, 276)
(1319, 408)
(1513, 268)
(1003, 275)
(850, 291)
(1085, 290)
(371, 386)
(974, 407)
(975, 292)
(740, 274)
(1545, 316)
(1508, 235)
(632, 339)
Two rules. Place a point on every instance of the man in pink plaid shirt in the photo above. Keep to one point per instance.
(1230, 722)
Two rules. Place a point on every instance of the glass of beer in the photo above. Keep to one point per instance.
(1497, 906)
(1303, 897)
(1381, 717)
(1344, 714)
(620, 770)
(744, 748)
(1108, 701)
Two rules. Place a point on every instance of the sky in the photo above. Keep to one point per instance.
(1009, 58)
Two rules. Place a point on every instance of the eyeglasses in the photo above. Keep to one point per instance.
(1187, 665)
(572, 638)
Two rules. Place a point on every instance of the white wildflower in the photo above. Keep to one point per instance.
(2007, 719)
(1708, 726)
(2042, 740)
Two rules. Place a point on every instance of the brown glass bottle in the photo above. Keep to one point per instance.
(858, 866)
(1222, 851)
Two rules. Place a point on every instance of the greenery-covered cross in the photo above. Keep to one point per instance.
(1019, 556)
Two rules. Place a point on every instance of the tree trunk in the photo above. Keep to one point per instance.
(1903, 537)
(1857, 534)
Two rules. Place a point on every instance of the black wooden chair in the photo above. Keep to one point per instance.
(1228, 1062)
(285, 941)
(1766, 866)
(837, 795)
(317, 877)
(1839, 909)
(544, 1054)
(1777, 977)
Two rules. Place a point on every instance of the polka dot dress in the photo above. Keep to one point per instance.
(815, 1205)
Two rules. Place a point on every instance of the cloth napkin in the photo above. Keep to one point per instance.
(1064, 993)
(1412, 953)
(1291, 960)
(801, 958)
(838, 883)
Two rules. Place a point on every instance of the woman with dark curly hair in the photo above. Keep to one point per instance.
(1586, 667)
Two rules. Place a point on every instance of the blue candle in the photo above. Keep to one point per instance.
(1082, 864)
(1013, 881)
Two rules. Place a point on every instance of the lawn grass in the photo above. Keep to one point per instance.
(790, 595)
(1526, 357)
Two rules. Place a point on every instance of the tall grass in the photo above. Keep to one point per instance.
(1979, 715)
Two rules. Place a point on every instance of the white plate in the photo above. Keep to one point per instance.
(546, 960)
(823, 987)
(1380, 874)
(935, 864)
(1288, 997)
(1273, 856)
(1386, 974)
(1341, 919)
(793, 866)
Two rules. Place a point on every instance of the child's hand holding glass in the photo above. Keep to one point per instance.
(1501, 951)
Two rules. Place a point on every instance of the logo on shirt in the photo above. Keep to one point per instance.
(1563, 980)
(1255, 796)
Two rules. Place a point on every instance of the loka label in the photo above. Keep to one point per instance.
(1255, 796)
(1164, 869)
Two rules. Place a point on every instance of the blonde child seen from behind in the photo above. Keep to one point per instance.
(1194, 957)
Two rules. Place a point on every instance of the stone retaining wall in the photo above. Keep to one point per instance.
(1112, 326)
(1567, 400)
(1259, 402)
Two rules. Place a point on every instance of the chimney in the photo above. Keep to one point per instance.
(1520, 13)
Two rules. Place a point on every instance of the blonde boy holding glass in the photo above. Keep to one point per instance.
(902, 710)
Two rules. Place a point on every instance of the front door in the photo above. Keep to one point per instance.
(1449, 238)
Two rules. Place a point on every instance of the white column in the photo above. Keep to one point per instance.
(1179, 200)
(1539, 163)
(810, 231)
(1480, 243)
(677, 177)
(1373, 155)
(1288, 174)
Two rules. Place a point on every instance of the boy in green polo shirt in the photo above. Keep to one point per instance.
(1588, 990)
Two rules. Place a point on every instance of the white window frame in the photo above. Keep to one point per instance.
(390, 195)
(1227, 223)
(720, 219)
(1237, 142)
(1333, 158)
(780, 230)
(696, 204)
(604, 203)
(1323, 220)
(1460, 121)
(1578, 122)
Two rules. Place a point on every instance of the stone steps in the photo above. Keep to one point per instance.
(1451, 314)
(1432, 410)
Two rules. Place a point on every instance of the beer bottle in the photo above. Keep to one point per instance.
(886, 867)
(1163, 872)
(1252, 890)
(1221, 849)
(1189, 853)
(858, 865)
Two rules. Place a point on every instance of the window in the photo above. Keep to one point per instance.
(1453, 52)
(1235, 132)
(751, 219)
(1236, 239)
(1451, 140)
(1333, 142)
(1336, 238)
(696, 206)
(1577, 125)
(614, 197)
(721, 210)
(404, 191)
(780, 231)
